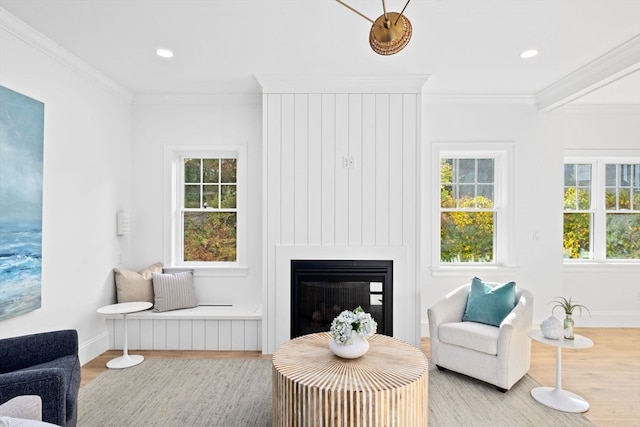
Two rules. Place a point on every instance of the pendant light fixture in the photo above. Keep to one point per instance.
(390, 33)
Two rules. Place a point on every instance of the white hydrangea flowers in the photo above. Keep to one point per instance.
(347, 322)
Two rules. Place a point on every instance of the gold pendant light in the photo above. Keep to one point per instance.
(390, 33)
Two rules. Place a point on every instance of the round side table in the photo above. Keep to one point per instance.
(124, 308)
(388, 386)
(556, 397)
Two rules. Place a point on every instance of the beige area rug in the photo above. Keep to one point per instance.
(237, 393)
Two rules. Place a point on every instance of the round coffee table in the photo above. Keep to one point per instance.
(124, 308)
(556, 397)
(387, 386)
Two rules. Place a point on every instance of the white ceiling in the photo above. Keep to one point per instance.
(466, 46)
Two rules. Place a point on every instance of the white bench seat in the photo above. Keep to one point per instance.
(205, 327)
(231, 311)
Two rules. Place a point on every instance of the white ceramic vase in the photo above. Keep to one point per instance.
(358, 347)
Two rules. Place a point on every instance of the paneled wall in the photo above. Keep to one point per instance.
(341, 169)
(186, 334)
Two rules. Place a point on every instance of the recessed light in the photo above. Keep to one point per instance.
(164, 53)
(528, 53)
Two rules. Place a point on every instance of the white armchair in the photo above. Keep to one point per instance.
(496, 355)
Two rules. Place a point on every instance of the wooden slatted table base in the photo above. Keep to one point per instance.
(388, 386)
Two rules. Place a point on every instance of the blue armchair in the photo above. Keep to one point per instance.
(47, 365)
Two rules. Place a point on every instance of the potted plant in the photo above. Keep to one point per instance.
(568, 306)
(349, 332)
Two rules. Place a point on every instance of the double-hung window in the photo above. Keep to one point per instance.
(208, 208)
(601, 220)
(474, 214)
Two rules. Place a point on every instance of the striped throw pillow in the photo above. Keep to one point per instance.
(173, 291)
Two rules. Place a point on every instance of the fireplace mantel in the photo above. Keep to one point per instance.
(277, 316)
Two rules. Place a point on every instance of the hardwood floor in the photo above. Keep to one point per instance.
(607, 375)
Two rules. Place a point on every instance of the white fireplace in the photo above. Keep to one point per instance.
(341, 181)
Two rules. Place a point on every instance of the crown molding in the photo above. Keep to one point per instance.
(479, 98)
(601, 108)
(199, 99)
(27, 34)
(280, 83)
(613, 65)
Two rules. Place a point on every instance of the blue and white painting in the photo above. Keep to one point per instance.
(21, 146)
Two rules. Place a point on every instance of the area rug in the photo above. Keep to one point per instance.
(237, 393)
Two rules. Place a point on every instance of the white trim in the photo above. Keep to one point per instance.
(504, 153)
(29, 35)
(303, 83)
(172, 154)
(598, 159)
(609, 267)
(479, 98)
(94, 347)
(600, 109)
(466, 271)
(608, 68)
(200, 99)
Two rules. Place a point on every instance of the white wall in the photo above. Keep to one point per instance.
(540, 140)
(87, 142)
(204, 122)
(612, 293)
(538, 169)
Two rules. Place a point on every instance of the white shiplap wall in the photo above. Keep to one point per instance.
(311, 200)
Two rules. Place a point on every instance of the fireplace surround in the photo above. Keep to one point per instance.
(321, 289)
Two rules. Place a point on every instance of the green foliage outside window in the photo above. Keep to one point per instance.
(467, 230)
(210, 236)
(210, 218)
(621, 201)
(623, 236)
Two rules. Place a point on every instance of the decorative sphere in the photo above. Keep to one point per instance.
(552, 328)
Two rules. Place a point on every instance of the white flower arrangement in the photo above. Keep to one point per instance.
(348, 321)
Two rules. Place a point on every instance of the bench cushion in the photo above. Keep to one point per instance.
(472, 335)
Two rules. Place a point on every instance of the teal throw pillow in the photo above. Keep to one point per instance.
(489, 305)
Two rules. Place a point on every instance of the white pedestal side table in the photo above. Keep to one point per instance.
(124, 308)
(556, 397)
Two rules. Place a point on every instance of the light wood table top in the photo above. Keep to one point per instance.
(386, 386)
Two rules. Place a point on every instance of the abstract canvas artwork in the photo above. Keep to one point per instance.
(21, 153)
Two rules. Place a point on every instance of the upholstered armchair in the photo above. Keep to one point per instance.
(499, 355)
(46, 365)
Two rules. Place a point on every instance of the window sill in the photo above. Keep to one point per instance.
(608, 267)
(466, 270)
(220, 271)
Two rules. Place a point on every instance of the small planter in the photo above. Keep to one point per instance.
(568, 327)
(358, 347)
(568, 306)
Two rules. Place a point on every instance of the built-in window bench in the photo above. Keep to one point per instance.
(206, 327)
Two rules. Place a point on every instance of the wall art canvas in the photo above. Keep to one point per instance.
(21, 151)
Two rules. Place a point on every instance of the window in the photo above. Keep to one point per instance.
(207, 204)
(467, 210)
(209, 211)
(601, 209)
(474, 216)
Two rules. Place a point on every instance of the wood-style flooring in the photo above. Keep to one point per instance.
(607, 375)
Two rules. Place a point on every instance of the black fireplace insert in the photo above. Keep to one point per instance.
(322, 289)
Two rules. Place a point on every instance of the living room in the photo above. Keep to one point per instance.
(106, 147)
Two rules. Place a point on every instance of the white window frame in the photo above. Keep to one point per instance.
(598, 236)
(503, 154)
(174, 183)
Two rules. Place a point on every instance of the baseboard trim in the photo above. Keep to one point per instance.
(93, 348)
